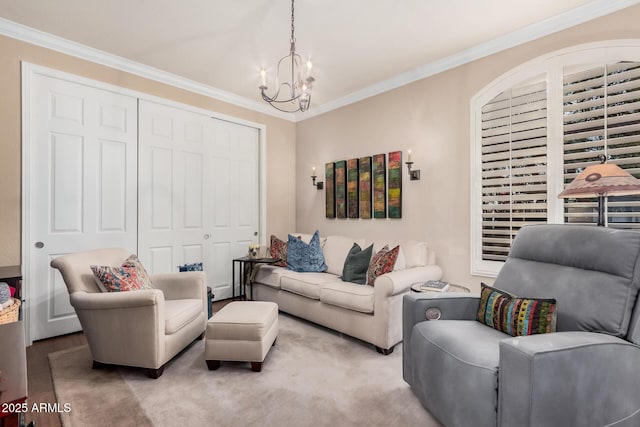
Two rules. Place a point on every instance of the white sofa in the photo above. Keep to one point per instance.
(370, 313)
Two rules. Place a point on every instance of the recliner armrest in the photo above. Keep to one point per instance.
(568, 378)
(452, 306)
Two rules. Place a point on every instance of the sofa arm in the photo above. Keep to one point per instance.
(186, 285)
(399, 281)
(568, 378)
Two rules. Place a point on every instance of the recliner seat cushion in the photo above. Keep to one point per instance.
(180, 312)
(455, 370)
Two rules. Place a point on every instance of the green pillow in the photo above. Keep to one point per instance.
(356, 265)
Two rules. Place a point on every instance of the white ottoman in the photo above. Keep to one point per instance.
(242, 331)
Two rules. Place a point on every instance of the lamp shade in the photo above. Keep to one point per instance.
(604, 179)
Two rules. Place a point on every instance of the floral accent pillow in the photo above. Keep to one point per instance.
(278, 249)
(381, 263)
(143, 276)
(117, 279)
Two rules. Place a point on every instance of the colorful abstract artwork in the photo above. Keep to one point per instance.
(341, 189)
(379, 172)
(364, 186)
(330, 190)
(352, 188)
(395, 184)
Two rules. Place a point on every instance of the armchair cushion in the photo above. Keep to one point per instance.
(516, 316)
(143, 276)
(180, 312)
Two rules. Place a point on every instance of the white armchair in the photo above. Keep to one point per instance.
(143, 328)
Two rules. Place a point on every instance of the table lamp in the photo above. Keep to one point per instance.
(601, 180)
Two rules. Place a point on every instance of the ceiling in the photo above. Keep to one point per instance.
(358, 47)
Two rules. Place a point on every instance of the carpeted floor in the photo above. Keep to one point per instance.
(312, 377)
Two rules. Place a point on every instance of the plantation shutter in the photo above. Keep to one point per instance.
(602, 116)
(514, 166)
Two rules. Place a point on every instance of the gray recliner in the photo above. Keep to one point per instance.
(586, 374)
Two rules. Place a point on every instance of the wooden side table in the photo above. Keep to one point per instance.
(13, 380)
(246, 266)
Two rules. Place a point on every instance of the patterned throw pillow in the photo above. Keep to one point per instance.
(117, 279)
(278, 249)
(305, 257)
(516, 316)
(143, 276)
(381, 263)
(196, 266)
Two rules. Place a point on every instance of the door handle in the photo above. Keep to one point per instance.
(206, 236)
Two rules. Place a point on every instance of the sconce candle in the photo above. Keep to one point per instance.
(409, 155)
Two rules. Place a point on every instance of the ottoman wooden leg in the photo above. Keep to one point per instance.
(213, 364)
(256, 366)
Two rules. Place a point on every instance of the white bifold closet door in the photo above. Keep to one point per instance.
(198, 193)
(81, 160)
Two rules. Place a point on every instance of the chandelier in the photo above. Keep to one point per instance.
(294, 93)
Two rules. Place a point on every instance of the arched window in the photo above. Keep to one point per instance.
(536, 127)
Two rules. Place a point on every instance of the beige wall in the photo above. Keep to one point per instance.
(280, 137)
(431, 117)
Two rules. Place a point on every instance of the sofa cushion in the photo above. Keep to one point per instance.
(306, 284)
(179, 312)
(305, 257)
(516, 316)
(348, 295)
(415, 253)
(335, 252)
(381, 263)
(356, 265)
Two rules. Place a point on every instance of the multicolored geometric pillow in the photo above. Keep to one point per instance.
(278, 249)
(117, 279)
(143, 276)
(516, 316)
(381, 263)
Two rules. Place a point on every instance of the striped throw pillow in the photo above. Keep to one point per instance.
(516, 316)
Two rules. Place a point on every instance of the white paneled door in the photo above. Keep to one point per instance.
(198, 192)
(81, 184)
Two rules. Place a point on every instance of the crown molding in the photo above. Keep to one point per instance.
(68, 47)
(557, 23)
(571, 18)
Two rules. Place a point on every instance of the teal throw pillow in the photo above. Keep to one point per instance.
(305, 257)
(356, 264)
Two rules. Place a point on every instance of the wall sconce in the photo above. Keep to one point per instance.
(319, 185)
(414, 175)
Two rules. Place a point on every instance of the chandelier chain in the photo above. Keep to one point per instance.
(293, 28)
